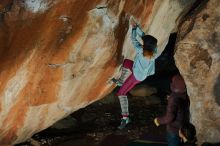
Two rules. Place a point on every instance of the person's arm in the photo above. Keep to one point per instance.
(170, 113)
(139, 31)
(137, 45)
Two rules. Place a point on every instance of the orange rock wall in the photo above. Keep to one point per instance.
(58, 56)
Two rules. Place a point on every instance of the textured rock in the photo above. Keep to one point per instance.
(149, 100)
(65, 123)
(57, 56)
(152, 100)
(198, 58)
(143, 91)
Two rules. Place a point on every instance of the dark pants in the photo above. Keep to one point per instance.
(173, 139)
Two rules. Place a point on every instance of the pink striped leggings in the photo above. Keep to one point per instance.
(130, 82)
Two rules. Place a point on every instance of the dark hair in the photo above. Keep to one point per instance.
(189, 131)
(149, 43)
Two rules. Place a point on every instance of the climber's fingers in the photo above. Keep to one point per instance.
(133, 22)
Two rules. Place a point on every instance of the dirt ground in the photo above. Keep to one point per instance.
(96, 125)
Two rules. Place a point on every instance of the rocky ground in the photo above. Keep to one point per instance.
(96, 124)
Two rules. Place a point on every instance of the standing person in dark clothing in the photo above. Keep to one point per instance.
(177, 113)
(187, 133)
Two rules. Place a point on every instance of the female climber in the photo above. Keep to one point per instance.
(142, 67)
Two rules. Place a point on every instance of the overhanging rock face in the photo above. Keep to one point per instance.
(58, 55)
(198, 58)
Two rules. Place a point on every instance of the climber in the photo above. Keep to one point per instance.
(187, 133)
(142, 67)
(177, 113)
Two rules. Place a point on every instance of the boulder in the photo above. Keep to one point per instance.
(152, 100)
(66, 123)
(58, 56)
(143, 91)
(198, 59)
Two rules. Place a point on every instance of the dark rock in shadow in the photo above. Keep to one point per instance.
(217, 90)
(211, 144)
(115, 140)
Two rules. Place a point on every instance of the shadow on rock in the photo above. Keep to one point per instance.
(217, 90)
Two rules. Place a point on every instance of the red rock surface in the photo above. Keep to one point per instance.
(58, 56)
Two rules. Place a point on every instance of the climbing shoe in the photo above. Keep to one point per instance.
(125, 73)
(124, 123)
(117, 82)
